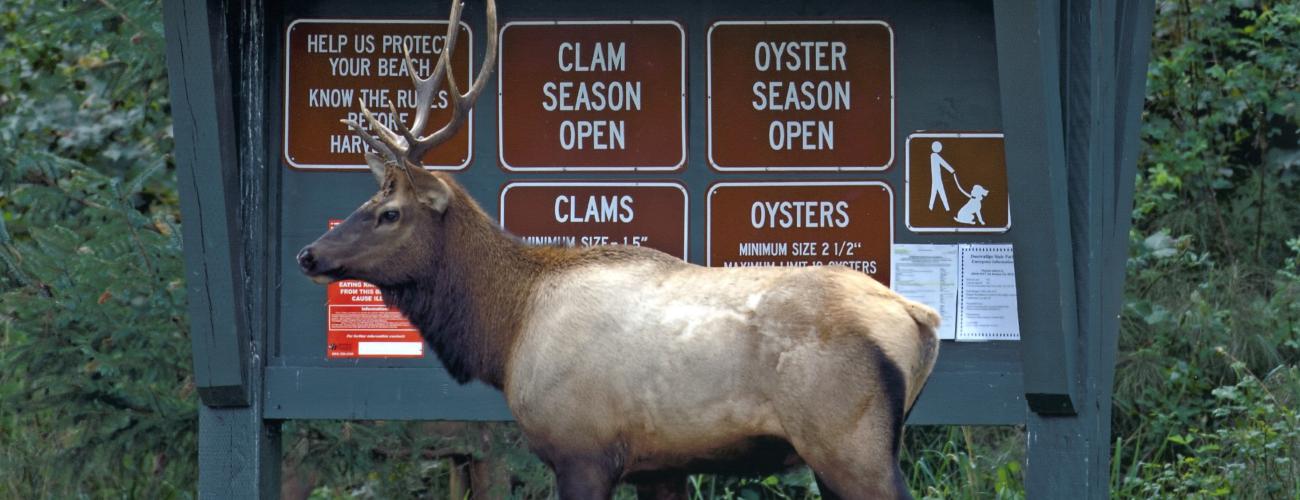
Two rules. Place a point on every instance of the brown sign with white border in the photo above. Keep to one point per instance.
(957, 183)
(592, 95)
(332, 64)
(801, 95)
(651, 214)
(849, 223)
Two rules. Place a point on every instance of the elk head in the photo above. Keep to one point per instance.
(391, 237)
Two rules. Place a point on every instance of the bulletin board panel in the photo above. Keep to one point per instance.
(943, 78)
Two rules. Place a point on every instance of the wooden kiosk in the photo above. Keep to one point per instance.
(727, 133)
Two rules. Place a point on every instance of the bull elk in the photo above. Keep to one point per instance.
(622, 363)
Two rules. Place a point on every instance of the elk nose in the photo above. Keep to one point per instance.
(306, 261)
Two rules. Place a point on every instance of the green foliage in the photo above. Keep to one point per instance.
(95, 395)
(1212, 293)
(1223, 101)
(964, 462)
(1250, 450)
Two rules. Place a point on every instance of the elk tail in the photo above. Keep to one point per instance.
(923, 315)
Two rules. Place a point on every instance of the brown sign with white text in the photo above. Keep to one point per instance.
(957, 182)
(801, 95)
(332, 65)
(592, 96)
(651, 214)
(796, 224)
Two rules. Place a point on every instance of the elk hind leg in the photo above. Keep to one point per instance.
(884, 484)
(864, 464)
(853, 447)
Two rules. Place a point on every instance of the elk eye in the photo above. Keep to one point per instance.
(389, 216)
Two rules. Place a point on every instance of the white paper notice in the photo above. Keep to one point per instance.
(986, 301)
(928, 274)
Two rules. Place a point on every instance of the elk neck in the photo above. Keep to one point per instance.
(471, 301)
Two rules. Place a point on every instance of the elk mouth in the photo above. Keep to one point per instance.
(322, 279)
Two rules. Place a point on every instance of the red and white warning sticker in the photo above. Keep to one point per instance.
(361, 326)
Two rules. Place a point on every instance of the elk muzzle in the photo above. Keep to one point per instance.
(314, 267)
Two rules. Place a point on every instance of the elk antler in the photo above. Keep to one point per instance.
(406, 145)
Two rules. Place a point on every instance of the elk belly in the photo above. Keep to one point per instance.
(659, 366)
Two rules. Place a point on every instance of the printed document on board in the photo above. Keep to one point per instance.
(928, 274)
(986, 300)
(972, 286)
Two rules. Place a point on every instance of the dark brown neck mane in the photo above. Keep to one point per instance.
(471, 303)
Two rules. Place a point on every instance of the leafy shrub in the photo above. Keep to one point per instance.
(1250, 448)
(96, 382)
(1212, 291)
(965, 462)
(1219, 125)
(95, 395)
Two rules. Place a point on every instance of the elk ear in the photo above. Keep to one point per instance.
(435, 193)
(377, 167)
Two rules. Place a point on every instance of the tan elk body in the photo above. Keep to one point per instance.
(626, 364)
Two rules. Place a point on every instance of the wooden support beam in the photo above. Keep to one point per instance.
(1028, 55)
(204, 128)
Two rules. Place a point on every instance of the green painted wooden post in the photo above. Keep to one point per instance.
(1029, 62)
(1028, 55)
(205, 158)
(239, 455)
(1134, 22)
(1101, 67)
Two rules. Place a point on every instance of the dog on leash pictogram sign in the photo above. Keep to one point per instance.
(957, 183)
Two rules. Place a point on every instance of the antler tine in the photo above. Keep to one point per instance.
(374, 144)
(461, 104)
(401, 127)
(426, 87)
(392, 139)
(489, 59)
(407, 136)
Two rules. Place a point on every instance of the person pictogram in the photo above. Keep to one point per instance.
(936, 182)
